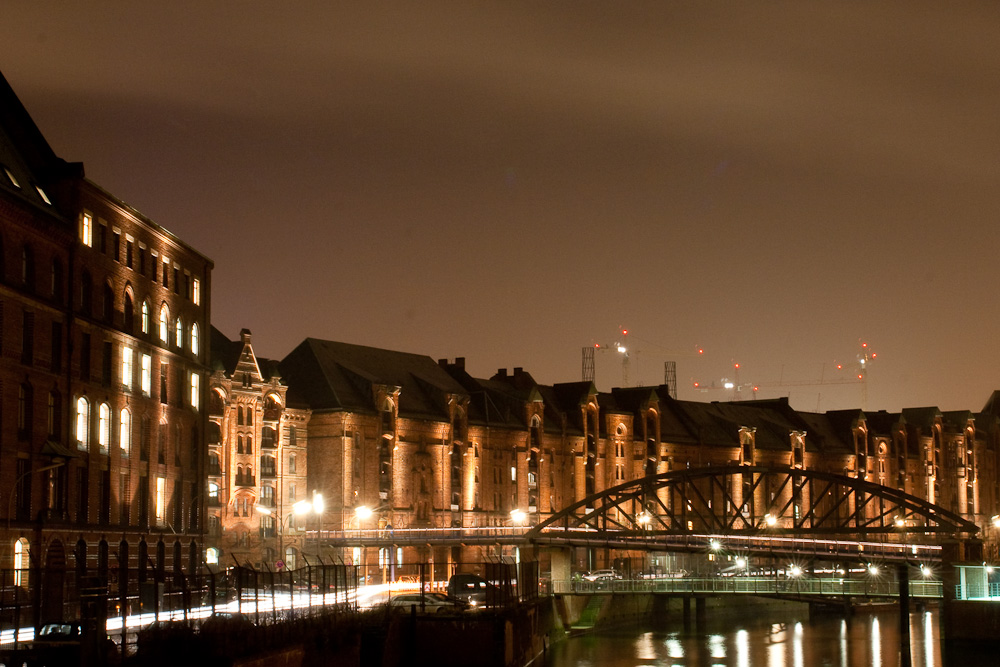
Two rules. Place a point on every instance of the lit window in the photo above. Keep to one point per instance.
(41, 193)
(127, 367)
(196, 295)
(164, 323)
(87, 230)
(147, 374)
(13, 180)
(161, 506)
(213, 491)
(82, 423)
(145, 317)
(104, 427)
(513, 473)
(195, 390)
(179, 333)
(125, 433)
(21, 560)
(212, 556)
(194, 338)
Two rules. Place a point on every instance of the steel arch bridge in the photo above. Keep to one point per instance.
(790, 510)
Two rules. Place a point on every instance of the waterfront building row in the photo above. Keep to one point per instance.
(424, 444)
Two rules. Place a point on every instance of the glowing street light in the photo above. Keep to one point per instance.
(770, 519)
(795, 571)
(714, 544)
(518, 516)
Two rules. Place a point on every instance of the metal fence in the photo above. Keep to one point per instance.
(125, 600)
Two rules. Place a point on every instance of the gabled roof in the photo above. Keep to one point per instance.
(326, 375)
(30, 160)
(921, 417)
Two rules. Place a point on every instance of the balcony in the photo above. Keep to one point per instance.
(268, 473)
(272, 414)
(246, 480)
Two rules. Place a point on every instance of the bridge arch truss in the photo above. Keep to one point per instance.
(750, 501)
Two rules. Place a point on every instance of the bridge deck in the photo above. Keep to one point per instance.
(800, 587)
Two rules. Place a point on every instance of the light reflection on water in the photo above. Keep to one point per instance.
(761, 639)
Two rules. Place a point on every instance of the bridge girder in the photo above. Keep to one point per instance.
(752, 501)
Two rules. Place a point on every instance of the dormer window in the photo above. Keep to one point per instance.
(12, 178)
(41, 193)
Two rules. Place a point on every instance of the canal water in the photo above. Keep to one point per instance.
(775, 638)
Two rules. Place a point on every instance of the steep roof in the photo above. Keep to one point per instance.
(332, 376)
(28, 159)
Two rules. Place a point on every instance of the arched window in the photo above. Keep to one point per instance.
(104, 427)
(55, 414)
(179, 333)
(164, 323)
(145, 317)
(194, 338)
(128, 324)
(82, 423)
(212, 556)
(21, 561)
(125, 433)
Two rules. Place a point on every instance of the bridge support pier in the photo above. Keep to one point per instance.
(700, 614)
(561, 560)
(686, 600)
(904, 615)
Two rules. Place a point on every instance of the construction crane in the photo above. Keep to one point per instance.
(859, 375)
(622, 347)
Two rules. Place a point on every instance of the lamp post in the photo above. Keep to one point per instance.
(279, 529)
(17, 483)
(307, 507)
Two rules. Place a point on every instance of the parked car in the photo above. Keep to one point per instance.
(430, 602)
(58, 634)
(468, 587)
(602, 576)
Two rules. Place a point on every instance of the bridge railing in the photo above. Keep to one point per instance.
(805, 586)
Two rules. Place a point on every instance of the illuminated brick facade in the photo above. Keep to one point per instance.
(103, 362)
(256, 461)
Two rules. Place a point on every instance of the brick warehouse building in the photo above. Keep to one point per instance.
(104, 317)
(425, 444)
(258, 497)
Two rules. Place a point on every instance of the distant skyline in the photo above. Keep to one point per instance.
(512, 182)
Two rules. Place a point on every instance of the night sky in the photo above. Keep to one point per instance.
(511, 182)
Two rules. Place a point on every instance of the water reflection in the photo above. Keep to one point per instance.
(769, 639)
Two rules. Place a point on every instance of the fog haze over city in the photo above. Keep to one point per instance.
(512, 182)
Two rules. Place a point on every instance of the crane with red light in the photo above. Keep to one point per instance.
(622, 347)
(859, 375)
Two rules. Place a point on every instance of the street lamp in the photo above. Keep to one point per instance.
(279, 523)
(518, 516)
(17, 483)
(10, 511)
(307, 507)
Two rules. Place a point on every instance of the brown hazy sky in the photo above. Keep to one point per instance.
(510, 182)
